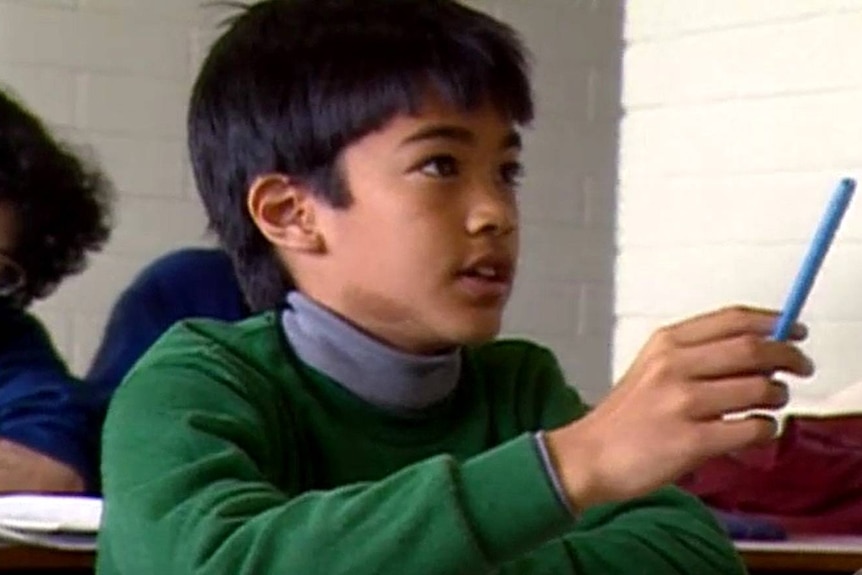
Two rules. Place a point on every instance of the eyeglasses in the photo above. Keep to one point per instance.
(11, 275)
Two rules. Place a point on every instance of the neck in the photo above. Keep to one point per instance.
(374, 371)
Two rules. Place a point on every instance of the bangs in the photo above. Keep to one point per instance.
(352, 101)
(345, 77)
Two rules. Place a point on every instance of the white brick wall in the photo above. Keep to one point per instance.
(115, 73)
(564, 296)
(740, 117)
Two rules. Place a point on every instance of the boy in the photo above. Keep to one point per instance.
(53, 210)
(369, 150)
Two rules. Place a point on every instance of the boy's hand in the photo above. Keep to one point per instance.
(664, 417)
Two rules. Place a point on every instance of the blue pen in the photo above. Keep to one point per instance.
(814, 258)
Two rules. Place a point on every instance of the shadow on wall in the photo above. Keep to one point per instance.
(565, 292)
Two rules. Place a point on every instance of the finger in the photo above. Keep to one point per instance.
(725, 435)
(745, 354)
(728, 322)
(714, 399)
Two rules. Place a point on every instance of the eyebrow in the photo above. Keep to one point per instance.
(459, 134)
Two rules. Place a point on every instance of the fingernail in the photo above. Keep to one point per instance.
(800, 330)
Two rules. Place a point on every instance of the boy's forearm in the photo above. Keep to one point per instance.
(667, 533)
(435, 517)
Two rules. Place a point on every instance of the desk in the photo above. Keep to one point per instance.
(807, 557)
(20, 559)
(811, 556)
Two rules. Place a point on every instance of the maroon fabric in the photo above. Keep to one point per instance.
(809, 480)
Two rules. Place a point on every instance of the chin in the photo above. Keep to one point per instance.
(478, 332)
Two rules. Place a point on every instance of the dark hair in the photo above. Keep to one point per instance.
(61, 204)
(293, 82)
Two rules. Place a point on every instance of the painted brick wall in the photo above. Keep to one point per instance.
(113, 74)
(740, 117)
(564, 296)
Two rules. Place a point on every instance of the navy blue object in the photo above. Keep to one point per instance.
(739, 526)
(41, 405)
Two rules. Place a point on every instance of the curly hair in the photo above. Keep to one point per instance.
(62, 204)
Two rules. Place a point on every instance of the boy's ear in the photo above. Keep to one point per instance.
(284, 212)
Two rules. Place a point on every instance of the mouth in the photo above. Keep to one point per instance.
(488, 273)
(487, 278)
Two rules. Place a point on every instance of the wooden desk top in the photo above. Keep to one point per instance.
(812, 556)
(785, 558)
(19, 557)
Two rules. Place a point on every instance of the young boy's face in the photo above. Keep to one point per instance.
(424, 257)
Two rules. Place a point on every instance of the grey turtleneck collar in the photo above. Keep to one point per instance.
(375, 372)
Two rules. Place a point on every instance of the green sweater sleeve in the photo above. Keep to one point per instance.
(666, 533)
(189, 457)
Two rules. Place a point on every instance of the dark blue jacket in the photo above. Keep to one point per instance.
(191, 282)
(41, 404)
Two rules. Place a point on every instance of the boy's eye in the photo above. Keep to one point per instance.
(440, 167)
(512, 173)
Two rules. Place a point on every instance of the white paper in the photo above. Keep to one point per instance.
(41, 513)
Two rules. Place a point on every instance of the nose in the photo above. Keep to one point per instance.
(493, 210)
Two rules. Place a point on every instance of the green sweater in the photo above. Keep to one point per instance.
(223, 454)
